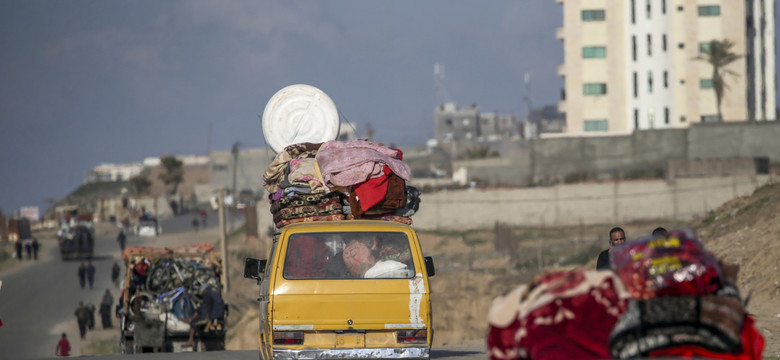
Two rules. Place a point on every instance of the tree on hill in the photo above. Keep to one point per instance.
(719, 55)
(174, 173)
(140, 183)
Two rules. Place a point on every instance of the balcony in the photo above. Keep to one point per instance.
(559, 33)
(561, 70)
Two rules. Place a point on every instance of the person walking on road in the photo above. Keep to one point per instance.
(82, 317)
(195, 224)
(617, 237)
(82, 274)
(91, 274)
(35, 246)
(63, 347)
(28, 248)
(18, 246)
(105, 309)
(203, 216)
(115, 274)
(122, 239)
(91, 321)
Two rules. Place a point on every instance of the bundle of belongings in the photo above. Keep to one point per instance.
(337, 180)
(668, 297)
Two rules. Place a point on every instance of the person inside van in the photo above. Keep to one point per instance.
(307, 258)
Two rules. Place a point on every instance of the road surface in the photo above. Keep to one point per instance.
(38, 299)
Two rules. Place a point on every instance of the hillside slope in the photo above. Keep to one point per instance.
(746, 231)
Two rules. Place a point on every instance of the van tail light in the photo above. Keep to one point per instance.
(412, 336)
(288, 337)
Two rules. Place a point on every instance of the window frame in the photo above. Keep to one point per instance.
(596, 125)
(708, 10)
(588, 89)
(594, 52)
(592, 15)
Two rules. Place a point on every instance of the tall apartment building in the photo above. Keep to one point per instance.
(630, 64)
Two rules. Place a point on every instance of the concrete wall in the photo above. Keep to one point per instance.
(570, 159)
(735, 140)
(592, 203)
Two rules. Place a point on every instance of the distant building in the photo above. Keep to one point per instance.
(113, 172)
(123, 172)
(457, 124)
(546, 120)
(629, 64)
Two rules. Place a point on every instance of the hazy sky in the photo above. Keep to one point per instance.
(88, 82)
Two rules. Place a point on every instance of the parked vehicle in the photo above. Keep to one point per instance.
(148, 226)
(160, 292)
(344, 289)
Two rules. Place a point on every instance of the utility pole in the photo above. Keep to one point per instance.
(234, 150)
(223, 242)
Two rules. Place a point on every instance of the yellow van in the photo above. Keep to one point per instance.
(344, 289)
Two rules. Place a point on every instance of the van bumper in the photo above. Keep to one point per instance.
(370, 353)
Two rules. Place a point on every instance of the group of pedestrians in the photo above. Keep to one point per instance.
(86, 274)
(85, 314)
(28, 246)
(617, 237)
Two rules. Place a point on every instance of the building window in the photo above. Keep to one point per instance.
(633, 11)
(681, 46)
(682, 119)
(663, 6)
(636, 85)
(636, 118)
(595, 89)
(705, 83)
(593, 15)
(704, 47)
(679, 8)
(648, 8)
(666, 115)
(666, 79)
(663, 42)
(650, 82)
(710, 118)
(589, 52)
(709, 10)
(448, 122)
(633, 47)
(596, 125)
(649, 45)
(219, 167)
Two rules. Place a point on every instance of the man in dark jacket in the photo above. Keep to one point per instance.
(617, 237)
(105, 309)
(82, 317)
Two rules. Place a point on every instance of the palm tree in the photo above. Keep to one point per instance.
(174, 172)
(719, 56)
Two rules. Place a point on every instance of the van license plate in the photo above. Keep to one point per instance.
(350, 340)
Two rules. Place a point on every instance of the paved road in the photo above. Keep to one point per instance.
(454, 353)
(37, 300)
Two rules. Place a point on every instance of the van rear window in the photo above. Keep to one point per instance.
(349, 255)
